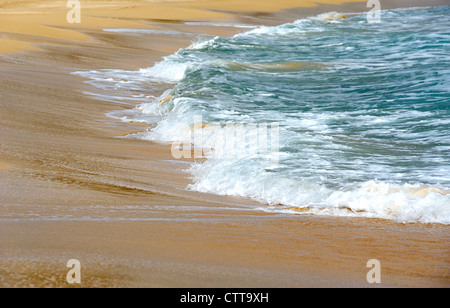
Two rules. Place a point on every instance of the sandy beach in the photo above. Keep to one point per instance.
(71, 188)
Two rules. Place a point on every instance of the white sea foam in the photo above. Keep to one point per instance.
(167, 71)
(402, 203)
(202, 44)
(297, 27)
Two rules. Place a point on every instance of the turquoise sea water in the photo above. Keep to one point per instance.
(363, 112)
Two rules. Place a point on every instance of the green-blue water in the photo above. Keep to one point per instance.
(363, 113)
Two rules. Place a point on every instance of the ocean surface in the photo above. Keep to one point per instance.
(357, 114)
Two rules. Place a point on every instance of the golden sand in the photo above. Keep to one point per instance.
(47, 19)
(12, 46)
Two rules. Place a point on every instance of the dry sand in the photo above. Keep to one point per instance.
(70, 189)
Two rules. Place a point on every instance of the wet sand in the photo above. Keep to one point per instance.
(71, 189)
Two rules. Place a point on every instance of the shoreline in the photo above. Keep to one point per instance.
(61, 165)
